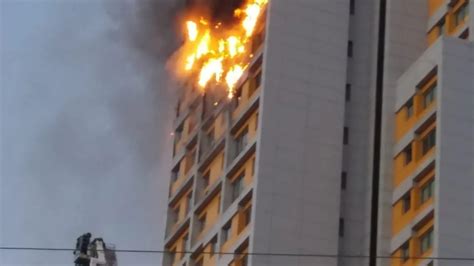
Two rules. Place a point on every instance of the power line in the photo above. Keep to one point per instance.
(252, 254)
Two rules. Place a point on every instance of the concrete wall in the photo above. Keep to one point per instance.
(299, 153)
(359, 118)
(404, 43)
(454, 218)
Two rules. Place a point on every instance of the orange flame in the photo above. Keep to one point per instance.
(215, 52)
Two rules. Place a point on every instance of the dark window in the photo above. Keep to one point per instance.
(258, 79)
(247, 215)
(238, 185)
(256, 121)
(346, 135)
(175, 214)
(202, 222)
(253, 166)
(429, 96)
(409, 108)
(226, 232)
(427, 191)
(241, 141)
(408, 154)
(441, 27)
(343, 180)
(237, 96)
(341, 227)
(185, 243)
(175, 172)
(426, 241)
(206, 179)
(464, 35)
(349, 49)
(406, 203)
(213, 244)
(352, 7)
(429, 141)
(189, 202)
(405, 251)
(210, 137)
(348, 92)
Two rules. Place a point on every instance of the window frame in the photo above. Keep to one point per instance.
(428, 142)
(239, 179)
(406, 203)
(409, 109)
(405, 251)
(407, 154)
(241, 140)
(226, 231)
(427, 191)
(429, 95)
(426, 241)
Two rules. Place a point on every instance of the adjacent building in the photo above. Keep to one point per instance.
(292, 163)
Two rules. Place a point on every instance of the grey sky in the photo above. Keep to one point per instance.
(84, 123)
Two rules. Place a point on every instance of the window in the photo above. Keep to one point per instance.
(190, 158)
(407, 154)
(352, 7)
(175, 214)
(429, 141)
(406, 203)
(429, 96)
(213, 245)
(258, 81)
(247, 216)
(441, 27)
(343, 180)
(238, 185)
(237, 96)
(405, 251)
(253, 166)
(346, 135)
(256, 120)
(226, 232)
(426, 241)
(185, 243)
(427, 191)
(409, 108)
(348, 92)
(460, 15)
(175, 172)
(349, 49)
(206, 179)
(341, 227)
(189, 202)
(210, 137)
(202, 222)
(464, 35)
(241, 141)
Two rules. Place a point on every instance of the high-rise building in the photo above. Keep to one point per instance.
(427, 173)
(350, 135)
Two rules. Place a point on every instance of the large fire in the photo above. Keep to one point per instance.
(217, 55)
